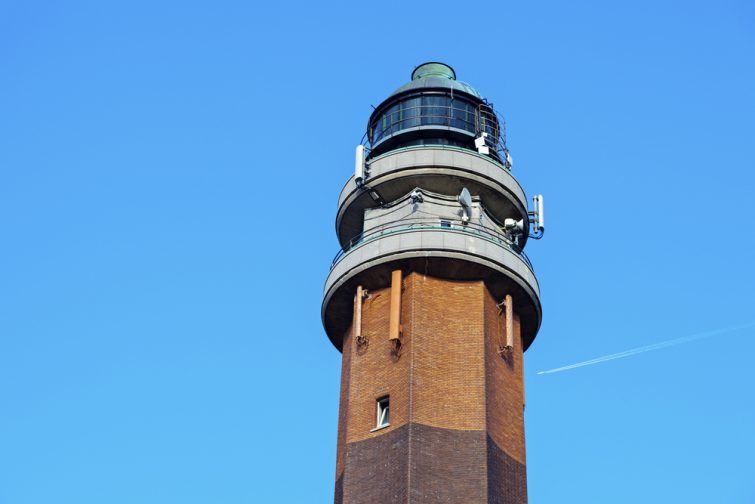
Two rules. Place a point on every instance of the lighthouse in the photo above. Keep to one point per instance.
(432, 302)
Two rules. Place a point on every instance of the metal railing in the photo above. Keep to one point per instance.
(408, 225)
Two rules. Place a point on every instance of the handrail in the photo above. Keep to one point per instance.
(404, 225)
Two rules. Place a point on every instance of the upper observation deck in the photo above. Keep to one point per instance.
(435, 109)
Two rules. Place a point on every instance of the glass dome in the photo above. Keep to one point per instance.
(434, 109)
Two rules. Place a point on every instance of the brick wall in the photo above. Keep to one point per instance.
(456, 429)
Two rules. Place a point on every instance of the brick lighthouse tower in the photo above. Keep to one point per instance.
(432, 302)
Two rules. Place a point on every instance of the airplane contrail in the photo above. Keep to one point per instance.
(648, 348)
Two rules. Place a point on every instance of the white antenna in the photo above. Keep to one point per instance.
(479, 143)
(359, 166)
(538, 214)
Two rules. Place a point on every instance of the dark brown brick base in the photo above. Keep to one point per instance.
(338, 499)
(418, 464)
(376, 468)
(507, 478)
(447, 466)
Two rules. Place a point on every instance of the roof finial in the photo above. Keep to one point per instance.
(434, 69)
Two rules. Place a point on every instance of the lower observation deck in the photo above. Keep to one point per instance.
(444, 250)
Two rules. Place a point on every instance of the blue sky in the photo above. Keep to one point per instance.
(168, 181)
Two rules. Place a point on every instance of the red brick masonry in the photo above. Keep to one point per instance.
(456, 431)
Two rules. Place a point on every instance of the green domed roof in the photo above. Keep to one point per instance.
(436, 75)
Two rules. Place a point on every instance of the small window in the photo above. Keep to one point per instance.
(445, 224)
(383, 412)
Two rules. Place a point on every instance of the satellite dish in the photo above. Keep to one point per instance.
(465, 198)
(466, 202)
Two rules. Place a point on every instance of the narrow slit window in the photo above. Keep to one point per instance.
(383, 412)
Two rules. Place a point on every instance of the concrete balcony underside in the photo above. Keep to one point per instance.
(443, 253)
(444, 170)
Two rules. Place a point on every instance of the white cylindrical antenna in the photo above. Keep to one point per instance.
(359, 165)
(540, 213)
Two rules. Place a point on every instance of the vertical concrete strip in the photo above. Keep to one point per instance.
(358, 315)
(394, 328)
(509, 322)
